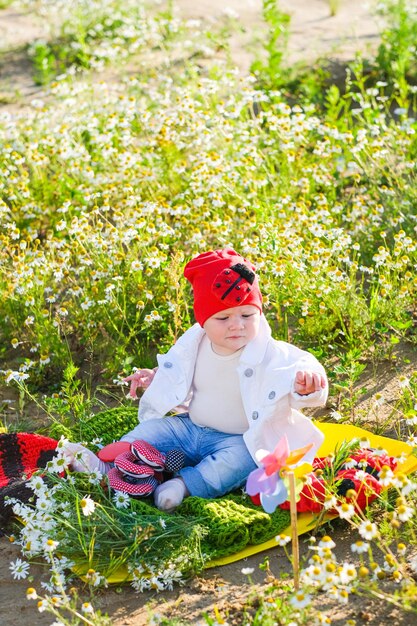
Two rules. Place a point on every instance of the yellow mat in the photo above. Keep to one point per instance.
(334, 435)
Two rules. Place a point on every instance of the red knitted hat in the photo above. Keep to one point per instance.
(221, 279)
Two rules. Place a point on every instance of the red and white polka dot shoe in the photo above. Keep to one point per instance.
(148, 454)
(139, 488)
(110, 452)
(128, 464)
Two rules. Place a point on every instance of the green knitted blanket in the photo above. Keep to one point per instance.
(106, 426)
(231, 523)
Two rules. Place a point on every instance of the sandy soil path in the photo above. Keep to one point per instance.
(314, 32)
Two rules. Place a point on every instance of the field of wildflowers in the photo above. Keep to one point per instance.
(108, 186)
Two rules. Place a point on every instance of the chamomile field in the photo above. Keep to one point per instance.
(143, 146)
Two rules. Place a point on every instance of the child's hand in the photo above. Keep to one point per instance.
(139, 380)
(81, 459)
(308, 382)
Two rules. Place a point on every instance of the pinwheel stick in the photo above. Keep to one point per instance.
(294, 533)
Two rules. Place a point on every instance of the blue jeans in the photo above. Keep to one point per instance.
(215, 462)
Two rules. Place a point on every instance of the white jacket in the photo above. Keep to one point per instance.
(266, 370)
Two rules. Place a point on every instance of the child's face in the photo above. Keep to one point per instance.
(232, 329)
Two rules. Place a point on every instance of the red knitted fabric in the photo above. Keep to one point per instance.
(23, 453)
(363, 479)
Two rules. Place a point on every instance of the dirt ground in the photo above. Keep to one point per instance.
(314, 32)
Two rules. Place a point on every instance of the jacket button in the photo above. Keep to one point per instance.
(271, 395)
(255, 415)
(249, 372)
(168, 364)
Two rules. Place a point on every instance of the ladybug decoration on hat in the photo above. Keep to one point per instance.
(233, 284)
(221, 279)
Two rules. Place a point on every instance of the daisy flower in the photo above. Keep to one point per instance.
(346, 511)
(31, 593)
(87, 505)
(19, 569)
(368, 530)
(300, 600)
(282, 539)
(121, 500)
(360, 547)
